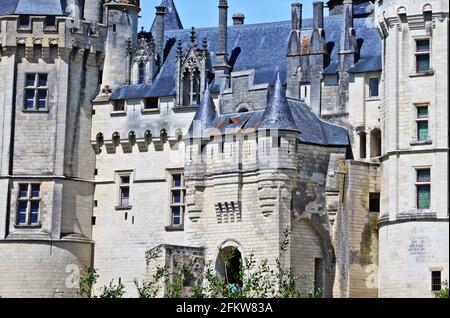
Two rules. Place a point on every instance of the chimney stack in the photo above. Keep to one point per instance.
(318, 15)
(238, 18)
(222, 56)
(159, 32)
(297, 16)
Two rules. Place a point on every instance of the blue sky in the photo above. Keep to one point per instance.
(204, 13)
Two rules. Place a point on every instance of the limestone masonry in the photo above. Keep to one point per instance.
(116, 143)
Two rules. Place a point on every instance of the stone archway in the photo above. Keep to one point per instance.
(228, 264)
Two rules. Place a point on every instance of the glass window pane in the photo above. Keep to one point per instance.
(423, 63)
(42, 80)
(422, 112)
(176, 197)
(176, 215)
(30, 82)
(374, 87)
(424, 175)
(35, 190)
(29, 99)
(141, 73)
(22, 212)
(42, 95)
(125, 196)
(423, 197)
(23, 191)
(422, 130)
(34, 215)
(177, 181)
(423, 45)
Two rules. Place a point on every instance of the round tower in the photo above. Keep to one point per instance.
(122, 21)
(413, 226)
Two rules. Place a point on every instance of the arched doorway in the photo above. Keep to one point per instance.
(228, 265)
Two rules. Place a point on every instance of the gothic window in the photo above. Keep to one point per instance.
(28, 206)
(191, 88)
(177, 199)
(141, 79)
(36, 92)
(423, 52)
(423, 186)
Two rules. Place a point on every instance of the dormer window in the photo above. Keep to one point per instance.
(191, 88)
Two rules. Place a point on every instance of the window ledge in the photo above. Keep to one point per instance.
(151, 111)
(35, 226)
(373, 99)
(123, 208)
(421, 143)
(429, 73)
(173, 228)
(120, 113)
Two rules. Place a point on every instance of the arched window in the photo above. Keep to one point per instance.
(141, 79)
(362, 145)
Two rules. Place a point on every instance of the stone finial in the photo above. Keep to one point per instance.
(193, 37)
(223, 3)
(179, 49)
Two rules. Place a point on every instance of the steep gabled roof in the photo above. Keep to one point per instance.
(172, 19)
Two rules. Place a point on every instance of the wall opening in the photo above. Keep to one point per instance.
(375, 143)
(362, 145)
(228, 265)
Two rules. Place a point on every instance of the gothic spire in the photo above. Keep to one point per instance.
(205, 116)
(171, 19)
(277, 114)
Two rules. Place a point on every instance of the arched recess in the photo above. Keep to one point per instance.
(312, 256)
(228, 261)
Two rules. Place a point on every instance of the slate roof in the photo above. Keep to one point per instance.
(313, 130)
(262, 47)
(33, 7)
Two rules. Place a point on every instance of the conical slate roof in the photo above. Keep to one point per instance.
(204, 117)
(172, 19)
(277, 114)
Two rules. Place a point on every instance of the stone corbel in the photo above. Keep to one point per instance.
(110, 146)
(194, 201)
(142, 144)
(267, 198)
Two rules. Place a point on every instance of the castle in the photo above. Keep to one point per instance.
(116, 142)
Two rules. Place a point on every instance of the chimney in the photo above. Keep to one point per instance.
(222, 56)
(297, 16)
(318, 15)
(238, 18)
(159, 32)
